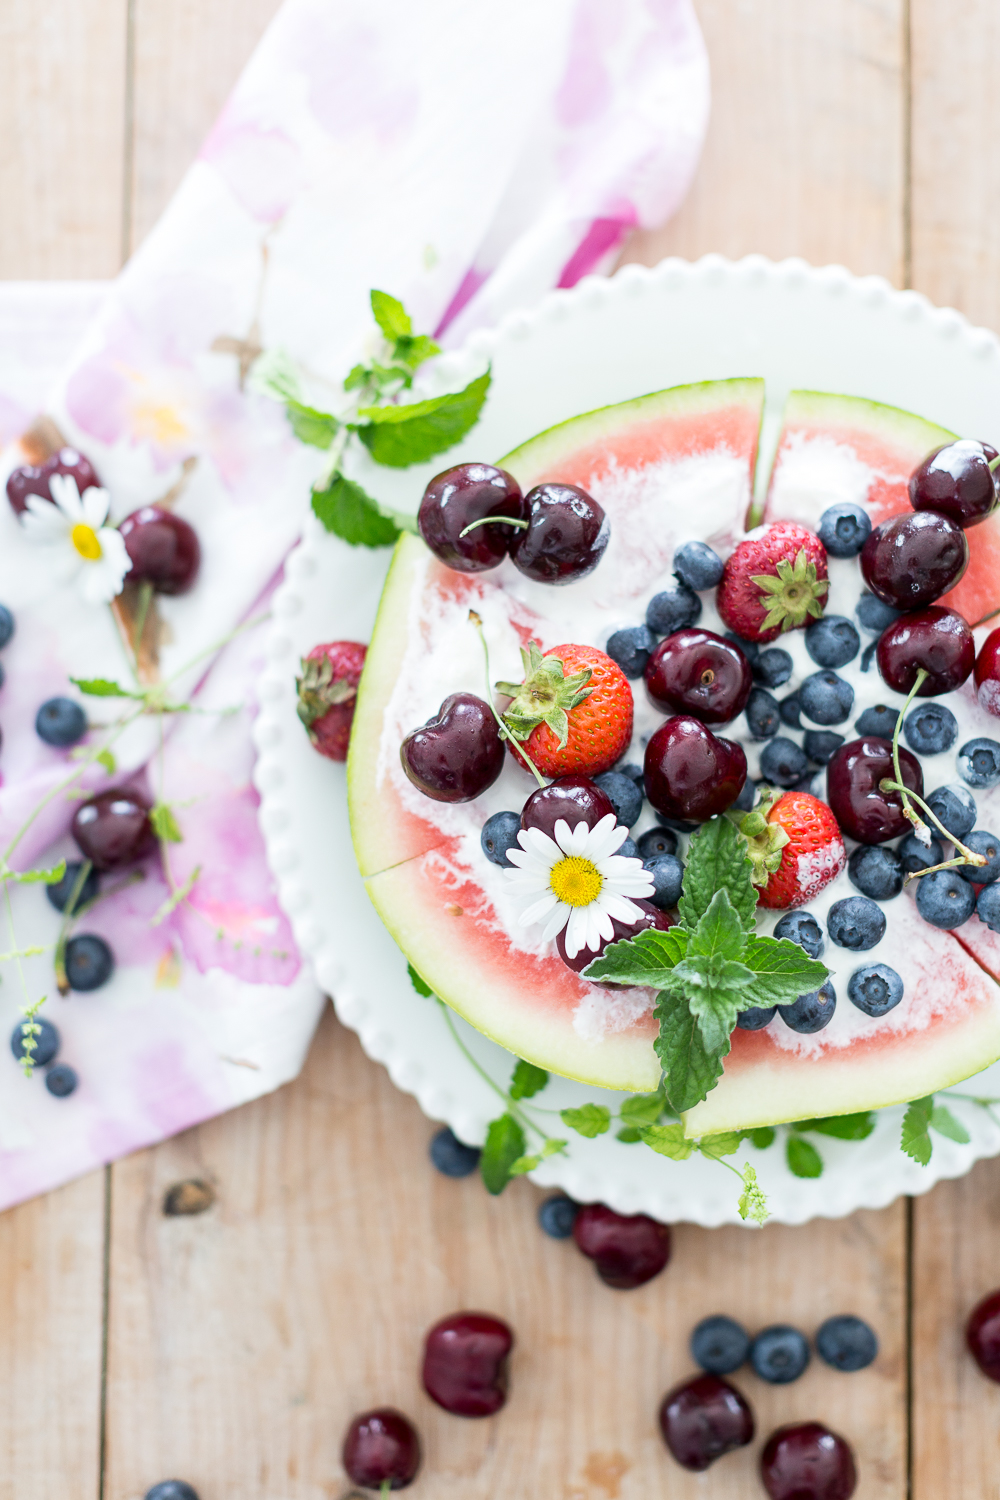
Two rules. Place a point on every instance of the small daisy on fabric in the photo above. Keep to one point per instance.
(87, 551)
(577, 881)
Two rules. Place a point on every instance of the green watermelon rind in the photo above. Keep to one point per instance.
(905, 428)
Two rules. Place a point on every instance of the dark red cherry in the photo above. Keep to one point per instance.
(34, 480)
(853, 776)
(566, 537)
(164, 549)
(456, 498)
(698, 672)
(577, 799)
(703, 1419)
(913, 559)
(627, 1249)
(458, 753)
(982, 1334)
(690, 773)
(937, 639)
(987, 674)
(465, 1364)
(956, 482)
(806, 1461)
(113, 829)
(380, 1447)
(651, 917)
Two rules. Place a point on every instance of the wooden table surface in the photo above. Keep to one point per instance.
(232, 1347)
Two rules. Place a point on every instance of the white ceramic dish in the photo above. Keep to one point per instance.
(602, 342)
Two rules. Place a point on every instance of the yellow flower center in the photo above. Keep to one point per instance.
(576, 881)
(84, 539)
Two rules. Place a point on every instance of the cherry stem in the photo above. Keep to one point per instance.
(917, 822)
(993, 464)
(145, 600)
(968, 857)
(69, 912)
(385, 1487)
(495, 521)
(504, 731)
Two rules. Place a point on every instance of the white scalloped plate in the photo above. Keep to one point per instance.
(604, 341)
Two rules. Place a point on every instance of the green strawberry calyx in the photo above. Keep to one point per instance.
(792, 595)
(319, 690)
(546, 696)
(765, 841)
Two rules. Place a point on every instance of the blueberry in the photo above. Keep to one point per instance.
(452, 1157)
(832, 641)
(979, 763)
(987, 844)
(879, 720)
(60, 892)
(628, 850)
(874, 616)
(623, 794)
(930, 729)
(46, 1042)
(697, 566)
(955, 807)
(876, 871)
(791, 711)
(500, 834)
(843, 529)
(657, 841)
(813, 1011)
(944, 899)
(779, 1354)
(772, 667)
(673, 609)
(846, 1343)
(634, 773)
(783, 762)
(763, 714)
(756, 1017)
(747, 797)
(719, 1345)
(666, 872)
(630, 648)
(89, 962)
(988, 907)
(61, 1080)
(6, 625)
(875, 989)
(916, 857)
(750, 649)
(802, 927)
(868, 656)
(171, 1489)
(856, 923)
(826, 698)
(557, 1215)
(821, 745)
(60, 722)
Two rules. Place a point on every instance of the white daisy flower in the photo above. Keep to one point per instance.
(577, 881)
(86, 550)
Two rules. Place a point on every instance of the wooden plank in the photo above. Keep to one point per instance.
(62, 118)
(242, 1341)
(51, 1297)
(805, 148)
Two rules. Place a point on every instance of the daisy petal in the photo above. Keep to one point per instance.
(95, 504)
(556, 923)
(538, 910)
(63, 489)
(622, 909)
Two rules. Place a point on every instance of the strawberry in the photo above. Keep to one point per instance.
(572, 712)
(328, 689)
(773, 581)
(796, 848)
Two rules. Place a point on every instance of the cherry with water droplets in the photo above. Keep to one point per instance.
(935, 639)
(982, 1334)
(113, 829)
(704, 1418)
(32, 479)
(458, 753)
(457, 499)
(698, 672)
(806, 1461)
(164, 549)
(690, 773)
(853, 779)
(465, 1363)
(627, 1249)
(912, 559)
(566, 536)
(651, 917)
(381, 1447)
(576, 799)
(957, 482)
(986, 674)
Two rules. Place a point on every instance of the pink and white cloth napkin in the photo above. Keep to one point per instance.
(465, 158)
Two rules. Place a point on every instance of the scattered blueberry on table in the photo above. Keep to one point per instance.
(46, 1042)
(61, 1080)
(60, 722)
(557, 1215)
(452, 1157)
(719, 1344)
(779, 1354)
(846, 1343)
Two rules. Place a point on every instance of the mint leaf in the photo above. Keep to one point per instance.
(844, 1127)
(106, 759)
(412, 351)
(752, 1202)
(761, 1136)
(668, 1140)
(782, 971)
(165, 824)
(317, 428)
(402, 435)
(803, 1160)
(724, 1144)
(390, 315)
(690, 1069)
(345, 509)
(915, 1138)
(719, 932)
(590, 1119)
(944, 1122)
(102, 687)
(642, 1109)
(504, 1145)
(628, 1135)
(38, 877)
(647, 959)
(529, 1163)
(420, 985)
(717, 860)
(527, 1080)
